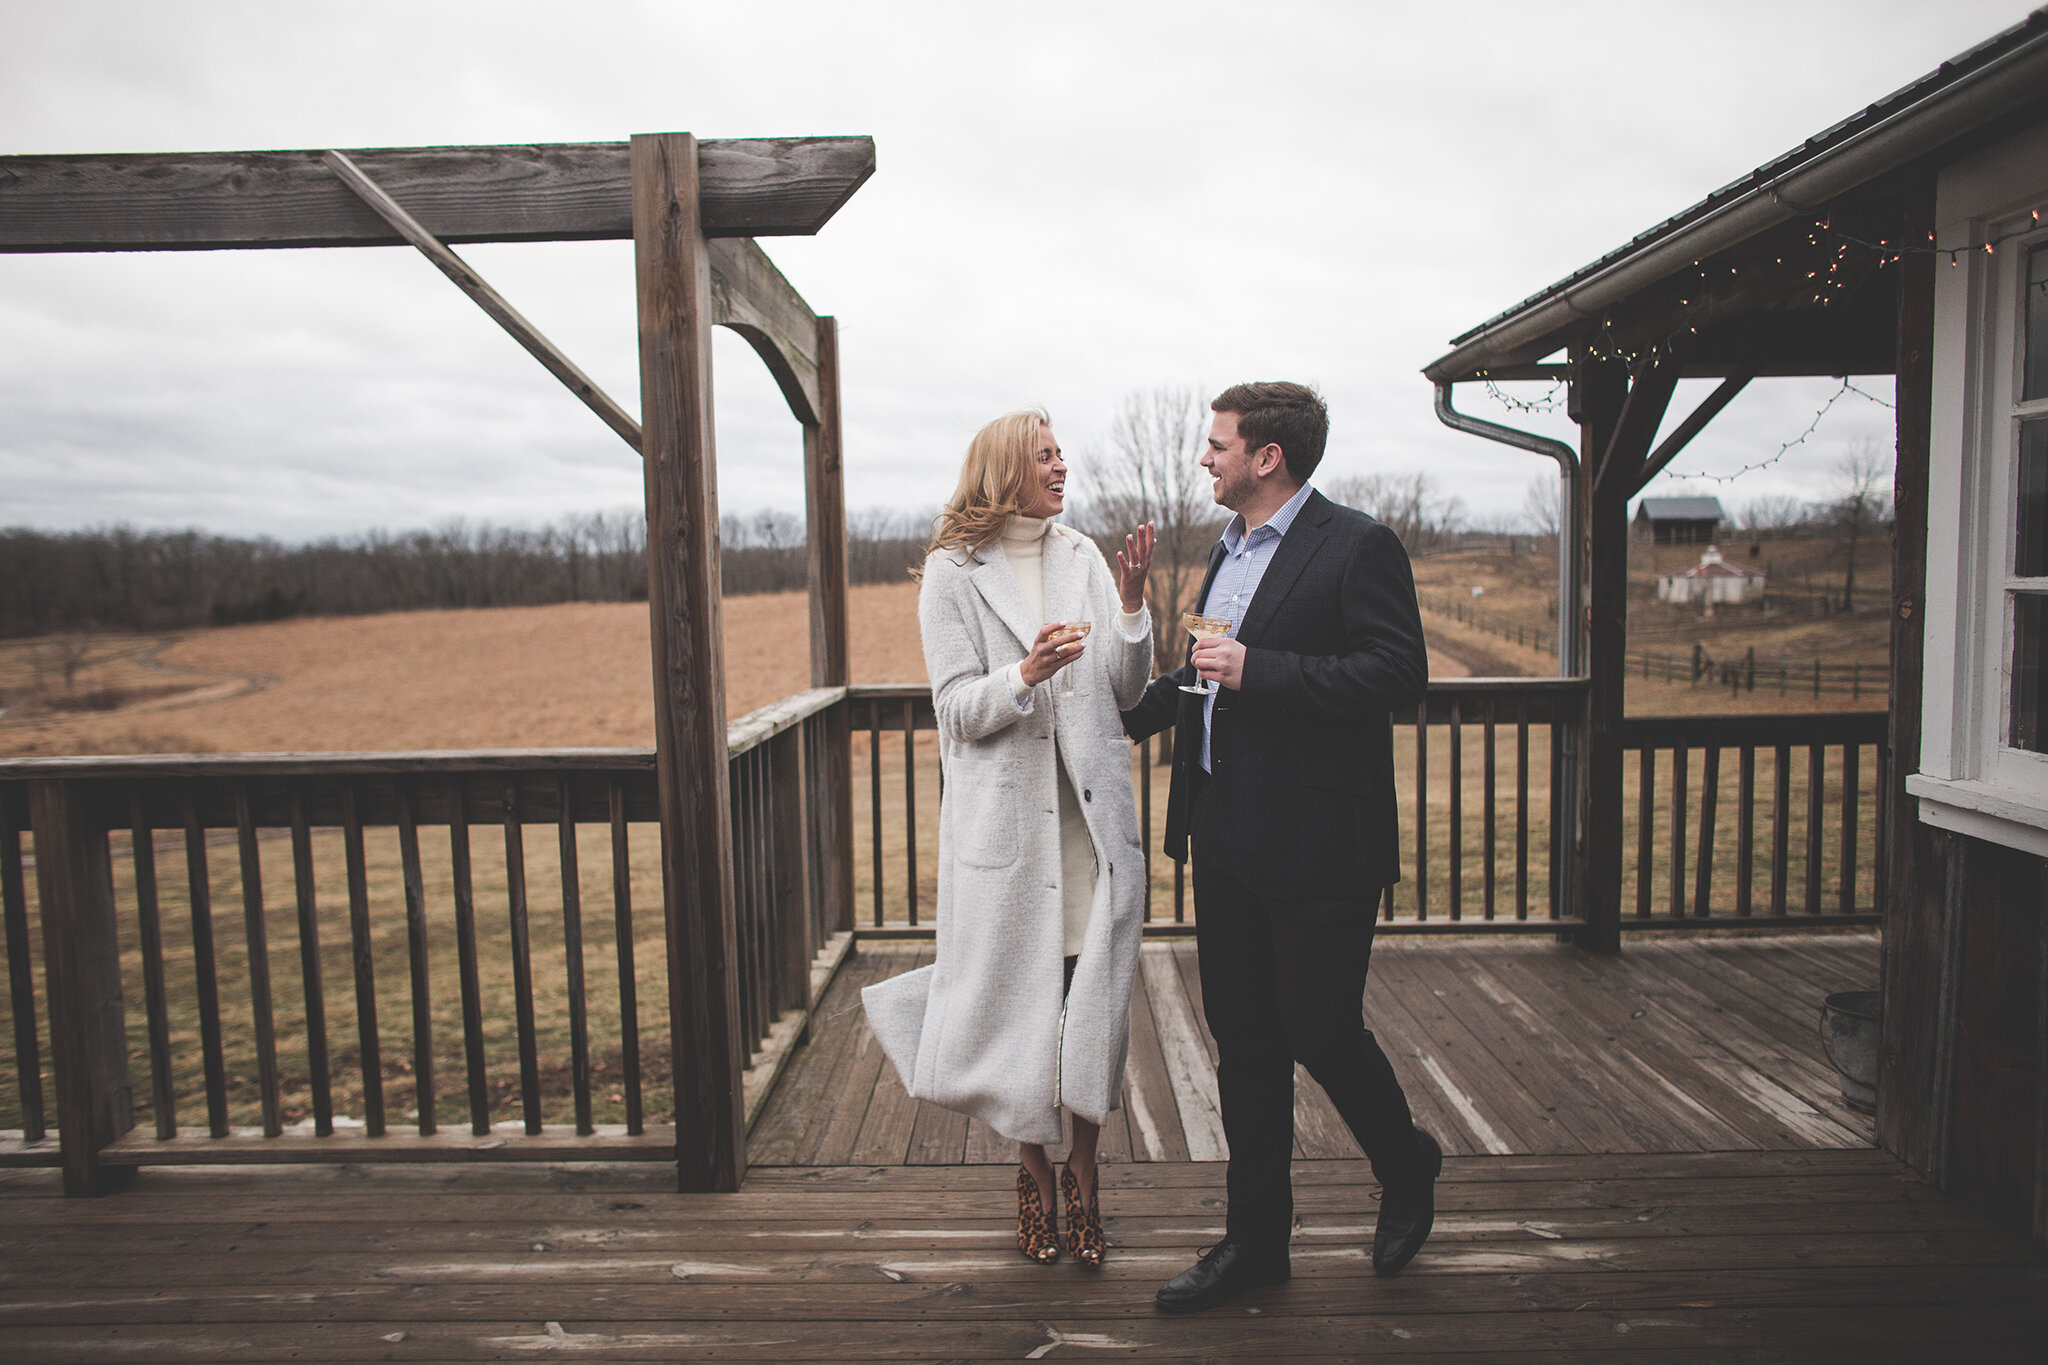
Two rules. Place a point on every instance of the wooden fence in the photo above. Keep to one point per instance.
(538, 1045)
(1479, 771)
(216, 1019)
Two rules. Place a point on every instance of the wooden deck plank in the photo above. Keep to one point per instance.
(866, 1069)
(787, 1131)
(1155, 1128)
(1657, 1115)
(1188, 1050)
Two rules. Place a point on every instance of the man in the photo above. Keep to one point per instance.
(1283, 797)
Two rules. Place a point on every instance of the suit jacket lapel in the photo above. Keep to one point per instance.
(1297, 547)
(992, 578)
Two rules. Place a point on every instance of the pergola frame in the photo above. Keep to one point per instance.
(690, 209)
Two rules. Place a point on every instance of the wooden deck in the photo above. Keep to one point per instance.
(1703, 1045)
(886, 1234)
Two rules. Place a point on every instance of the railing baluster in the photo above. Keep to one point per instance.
(205, 983)
(1710, 793)
(259, 964)
(747, 897)
(368, 1045)
(1646, 827)
(1492, 813)
(572, 954)
(1745, 828)
(522, 964)
(21, 978)
(465, 958)
(1457, 813)
(1781, 827)
(1679, 756)
(791, 896)
(910, 806)
(312, 974)
(622, 929)
(1816, 785)
(149, 926)
(416, 954)
(1522, 815)
(875, 798)
(1880, 844)
(1852, 755)
(1422, 809)
(1557, 821)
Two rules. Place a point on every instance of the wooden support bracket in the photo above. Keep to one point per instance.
(487, 298)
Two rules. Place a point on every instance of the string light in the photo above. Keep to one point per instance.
(1552, 401)
(1783, 450)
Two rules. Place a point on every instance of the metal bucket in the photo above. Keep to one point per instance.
(1849, 1033)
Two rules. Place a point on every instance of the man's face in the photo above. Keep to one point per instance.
(1230, 465)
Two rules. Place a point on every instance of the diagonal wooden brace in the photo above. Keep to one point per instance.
(487, 298)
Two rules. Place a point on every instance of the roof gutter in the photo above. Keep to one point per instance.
(2005, 83)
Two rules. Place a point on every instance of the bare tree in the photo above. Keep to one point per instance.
(1542, 501)
(1861, 478)
(1410, 504)
(1152, 472)
(1772, 513)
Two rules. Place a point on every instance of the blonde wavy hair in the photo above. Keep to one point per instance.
(995, 483)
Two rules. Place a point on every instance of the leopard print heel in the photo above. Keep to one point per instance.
(1085, 1241)
(1037, 1237)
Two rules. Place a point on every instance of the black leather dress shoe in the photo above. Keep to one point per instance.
(1225, 1270)
(1407, 1213)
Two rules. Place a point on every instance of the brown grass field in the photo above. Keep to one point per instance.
(579, 675)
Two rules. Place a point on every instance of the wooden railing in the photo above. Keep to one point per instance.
(249, 1060)
(1480, 771)
(1823, 823)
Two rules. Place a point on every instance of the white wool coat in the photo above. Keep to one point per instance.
(983, 1030)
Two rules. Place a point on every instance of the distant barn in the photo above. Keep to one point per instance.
(1678, 521)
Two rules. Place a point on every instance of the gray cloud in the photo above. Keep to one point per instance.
(1072, 202)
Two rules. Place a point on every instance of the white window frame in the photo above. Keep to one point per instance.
(1971, 780)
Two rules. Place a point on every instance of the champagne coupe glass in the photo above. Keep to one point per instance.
(1204, 628)
(1075, 632)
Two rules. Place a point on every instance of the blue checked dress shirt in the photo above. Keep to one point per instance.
(1245, 557)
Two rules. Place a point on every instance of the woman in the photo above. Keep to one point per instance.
(1041, 872)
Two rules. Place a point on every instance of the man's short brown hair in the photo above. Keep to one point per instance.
(1275, 412)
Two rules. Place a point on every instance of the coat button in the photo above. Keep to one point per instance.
(1087, 795)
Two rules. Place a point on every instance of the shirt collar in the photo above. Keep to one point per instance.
(1234, 535)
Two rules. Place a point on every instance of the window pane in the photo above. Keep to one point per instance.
(2036, 385)
(2030, 543)
(2029, 671)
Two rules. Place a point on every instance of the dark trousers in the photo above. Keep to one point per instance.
(1283, 981)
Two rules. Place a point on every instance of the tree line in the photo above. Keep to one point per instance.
(121, 578)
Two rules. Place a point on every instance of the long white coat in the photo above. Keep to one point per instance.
(982, 1030)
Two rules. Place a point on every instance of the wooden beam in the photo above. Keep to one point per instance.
(749, 295)
(1601, 402)
(488, 299)
(1693, 425)
(752, 187)
(1913, 1112)
(673, 272)
(825, 547)
(82, 969)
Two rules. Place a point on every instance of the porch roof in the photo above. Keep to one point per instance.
(1686, 274)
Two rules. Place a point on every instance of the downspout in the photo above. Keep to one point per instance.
(1569, 663)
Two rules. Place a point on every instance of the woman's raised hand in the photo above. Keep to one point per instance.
(1133, 562)
(1050, 652)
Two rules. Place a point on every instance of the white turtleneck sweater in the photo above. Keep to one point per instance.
(1023, 545)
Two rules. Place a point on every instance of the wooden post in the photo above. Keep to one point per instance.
(82, 967)
(673, 274)
(825, 536)
(1599, 390)
(1913, 1113)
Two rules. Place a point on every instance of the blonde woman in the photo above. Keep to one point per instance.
(1026, 1009)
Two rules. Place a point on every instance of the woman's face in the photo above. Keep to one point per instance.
(1046, 495)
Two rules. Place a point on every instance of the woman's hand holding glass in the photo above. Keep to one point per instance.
(1054, 647)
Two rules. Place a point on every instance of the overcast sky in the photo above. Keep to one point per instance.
(1073, 202)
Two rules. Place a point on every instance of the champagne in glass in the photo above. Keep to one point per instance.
(1075, 632)
(1204, 628)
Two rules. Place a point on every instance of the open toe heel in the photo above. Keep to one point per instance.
(1037, 1238)
(1085, 1242)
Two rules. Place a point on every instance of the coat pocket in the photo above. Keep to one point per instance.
(983, 827)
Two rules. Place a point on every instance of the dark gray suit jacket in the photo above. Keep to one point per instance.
(1302, 759)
